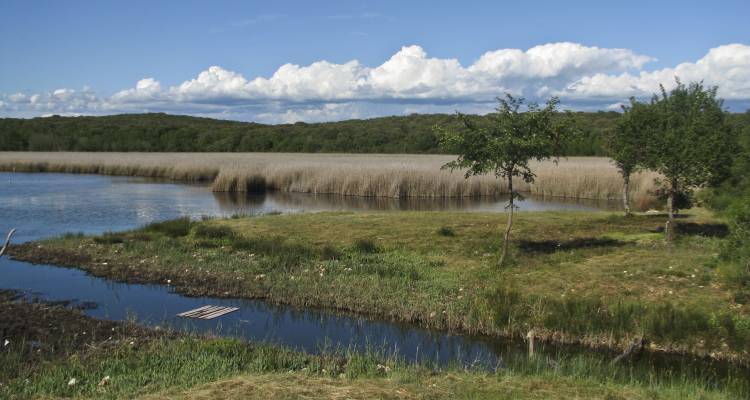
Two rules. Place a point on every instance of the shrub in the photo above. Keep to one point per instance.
(172, 228)
(446, 231)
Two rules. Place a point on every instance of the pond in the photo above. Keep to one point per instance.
(49, 204)
(45, 205)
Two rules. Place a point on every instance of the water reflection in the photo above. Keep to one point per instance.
(44, 205)
(291, 202)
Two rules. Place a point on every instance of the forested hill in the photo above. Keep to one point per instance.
(176, 133)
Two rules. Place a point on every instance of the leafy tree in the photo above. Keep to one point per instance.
(503, 143)
(689, 141)
(625, 143)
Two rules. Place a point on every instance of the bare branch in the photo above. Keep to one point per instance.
(7, 241)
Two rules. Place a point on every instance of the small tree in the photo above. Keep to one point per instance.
(503, 145)
(689, 141)
(625, 144)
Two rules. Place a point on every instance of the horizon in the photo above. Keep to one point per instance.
(297, 62)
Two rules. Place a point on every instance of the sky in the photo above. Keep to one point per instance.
(284, 61)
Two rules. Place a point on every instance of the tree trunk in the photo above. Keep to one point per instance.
(669, 228)
(506, 237)
(626, 194)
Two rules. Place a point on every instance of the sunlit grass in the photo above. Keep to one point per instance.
(597, 278)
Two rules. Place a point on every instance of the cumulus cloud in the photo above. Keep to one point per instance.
(585, 77)
(727, 66)
(148, 89)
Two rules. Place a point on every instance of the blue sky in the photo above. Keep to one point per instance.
(76, 56)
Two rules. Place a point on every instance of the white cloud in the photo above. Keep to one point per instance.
(18, 98)
(727, 66)
(147, 89)
(584, 77)
(214, 83)
(318, 81)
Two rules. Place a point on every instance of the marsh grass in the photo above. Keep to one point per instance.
(141, 361)
(206, 231)
(365, 246)
(109, 238)
(396, 176)
(172, 228)
(180, 364)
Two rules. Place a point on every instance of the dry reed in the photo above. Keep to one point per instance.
(347, 174)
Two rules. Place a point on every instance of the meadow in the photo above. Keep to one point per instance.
(595, 279)
(394, 176)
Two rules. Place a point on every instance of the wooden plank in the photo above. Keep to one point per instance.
(184, 314)
(225, 310)
(207, 312)
(198, 311)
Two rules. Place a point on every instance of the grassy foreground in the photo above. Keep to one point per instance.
(87, 358)
(598, 279)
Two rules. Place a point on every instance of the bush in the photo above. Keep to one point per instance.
(682, 200)
(214, 232)
(173, 228)
(330, 253)
(735, 251)
(446, 231)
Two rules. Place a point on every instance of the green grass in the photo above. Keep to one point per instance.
(175, 366)
(595, 278)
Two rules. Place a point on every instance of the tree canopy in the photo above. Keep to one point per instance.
(163, 132)
(504, 142)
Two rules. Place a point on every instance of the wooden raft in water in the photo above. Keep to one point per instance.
(207, 312)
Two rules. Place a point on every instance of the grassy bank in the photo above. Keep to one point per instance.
(88, 358)
(593, 278)
(359, 175)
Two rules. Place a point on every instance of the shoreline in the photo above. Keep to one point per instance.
(193, 286)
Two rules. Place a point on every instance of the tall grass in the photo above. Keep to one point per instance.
(395, 176)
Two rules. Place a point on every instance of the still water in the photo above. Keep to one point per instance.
(45, 205)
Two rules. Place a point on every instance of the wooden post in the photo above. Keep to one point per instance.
(530, 338)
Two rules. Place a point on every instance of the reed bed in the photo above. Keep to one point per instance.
(394, 176)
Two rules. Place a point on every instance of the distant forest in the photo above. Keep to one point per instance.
(175, 133)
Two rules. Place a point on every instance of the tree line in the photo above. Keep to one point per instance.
(173, 133)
